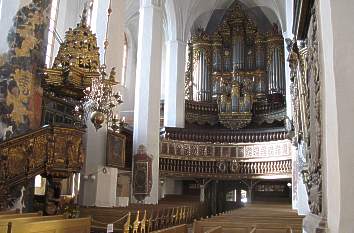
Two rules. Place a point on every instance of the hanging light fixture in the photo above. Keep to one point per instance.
(101, 100)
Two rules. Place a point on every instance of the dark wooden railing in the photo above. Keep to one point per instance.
(201, 112)
(266, 108)
(224, 136)
(224, 169)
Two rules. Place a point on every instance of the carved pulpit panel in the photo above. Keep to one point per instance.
(142, 178)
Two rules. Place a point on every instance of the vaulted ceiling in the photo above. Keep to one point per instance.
(181, 16)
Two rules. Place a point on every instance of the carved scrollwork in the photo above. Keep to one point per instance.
(306, 101)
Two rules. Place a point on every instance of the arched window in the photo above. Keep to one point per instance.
(125, 57)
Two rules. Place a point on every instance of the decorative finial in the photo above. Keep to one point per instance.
(84, 16)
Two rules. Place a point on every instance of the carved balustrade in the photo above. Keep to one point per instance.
(266, 108)
(53, 151)
(201, 112)
(225, 169)
(225, 160)
(201, 151)
(224, 136)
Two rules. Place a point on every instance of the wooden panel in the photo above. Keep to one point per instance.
(215, 230)
(8, 223)
(176, 229)
(12, 216)
(8, 212)
(80, 225)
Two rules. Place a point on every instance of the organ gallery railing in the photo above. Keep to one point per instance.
(197, 150)
(223, 136)
(196, 159)
(201, 112)
(224, 169)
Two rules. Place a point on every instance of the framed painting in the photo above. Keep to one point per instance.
(115, 156)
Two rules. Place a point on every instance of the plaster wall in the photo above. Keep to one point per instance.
(343, 36)
(337, 69)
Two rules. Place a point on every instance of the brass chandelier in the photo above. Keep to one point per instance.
(101, 99)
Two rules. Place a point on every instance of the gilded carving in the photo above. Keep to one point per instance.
(231, 57)
(306, 101)
(51, 151)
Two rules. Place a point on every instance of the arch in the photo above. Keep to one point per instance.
(170, 20)
(201, 9)
(125, 59)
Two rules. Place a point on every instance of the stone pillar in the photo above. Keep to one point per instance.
(249, 194)
(288, 34)
(238, 197)
(96, 140)
(174, 84)
(202, 193)
(148, 85)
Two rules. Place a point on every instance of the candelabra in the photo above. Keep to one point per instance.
(101, 100)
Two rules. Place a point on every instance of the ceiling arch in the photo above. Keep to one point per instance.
(185, 15)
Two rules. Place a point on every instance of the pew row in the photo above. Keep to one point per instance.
(78, 225)
(7, 224)
(12, 216)
(203, 227)
(175, 229)
(215, 230)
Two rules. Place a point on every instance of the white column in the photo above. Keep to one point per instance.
(96, 140)
(288, 34)
(115, 51)
(148, 87)
(174, 84)
(202, 193)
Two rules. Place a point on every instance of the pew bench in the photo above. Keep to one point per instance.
(175, 229)
(12, 216)
(229, 227)
(78, 225)
(7, 224)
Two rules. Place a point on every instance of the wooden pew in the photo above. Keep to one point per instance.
(176, 229)
(204, 226)
(78, 225)
(250, 220)
(243, 227)
(215, 230)
(271, 228)
(12, 216)
(6, 224)
(6, 212)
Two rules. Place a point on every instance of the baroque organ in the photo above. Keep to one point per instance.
(236, 68)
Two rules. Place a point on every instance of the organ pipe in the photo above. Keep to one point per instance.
(236, 66)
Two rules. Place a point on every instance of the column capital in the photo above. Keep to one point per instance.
(151, 3)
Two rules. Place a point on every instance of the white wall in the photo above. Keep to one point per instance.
(337, 70)
(8, 10)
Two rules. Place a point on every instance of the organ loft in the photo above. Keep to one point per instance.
(176, 116)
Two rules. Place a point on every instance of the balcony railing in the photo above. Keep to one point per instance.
(224, 160)
(225, 169)
(223, 136)
(201, 151)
